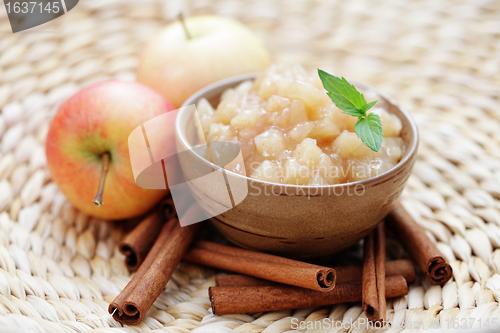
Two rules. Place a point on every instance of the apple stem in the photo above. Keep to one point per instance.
(184, 26)
(105, 164)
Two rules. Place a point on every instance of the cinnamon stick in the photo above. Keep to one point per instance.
(117, 304)
(136, 245)
(261, 265)
(381, 271)
(231, 300)
(167, 208)
(369, 279)
(396, 267)
(373, 277)
(420, 247)
(345, 274)
(238, 280)
(131, 305)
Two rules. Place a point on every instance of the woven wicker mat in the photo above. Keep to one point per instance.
(439, 58)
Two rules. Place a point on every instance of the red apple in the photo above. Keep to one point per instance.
(95, 121)
(178, 65)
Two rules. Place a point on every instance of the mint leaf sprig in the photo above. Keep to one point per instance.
(352, 102)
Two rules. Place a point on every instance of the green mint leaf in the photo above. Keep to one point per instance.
(352, 102)
(369, 130)
(341, 92)
(354, 112)
(368, 106)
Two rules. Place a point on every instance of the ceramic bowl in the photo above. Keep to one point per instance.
(293, 220)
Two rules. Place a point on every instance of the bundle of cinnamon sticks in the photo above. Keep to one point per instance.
(267, 282)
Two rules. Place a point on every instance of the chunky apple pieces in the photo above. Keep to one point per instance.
(290, 132)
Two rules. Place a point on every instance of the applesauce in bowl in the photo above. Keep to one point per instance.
(290, 132)
(313, 187)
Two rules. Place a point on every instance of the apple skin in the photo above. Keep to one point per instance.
(95, 120)
(219, 48)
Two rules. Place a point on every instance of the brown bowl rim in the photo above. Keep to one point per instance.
(234, 80)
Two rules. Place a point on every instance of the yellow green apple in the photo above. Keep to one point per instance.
(184, 58)
(91, 124)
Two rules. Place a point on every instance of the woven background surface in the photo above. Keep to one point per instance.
(440, 59)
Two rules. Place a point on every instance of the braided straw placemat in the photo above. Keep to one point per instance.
(59, 269)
